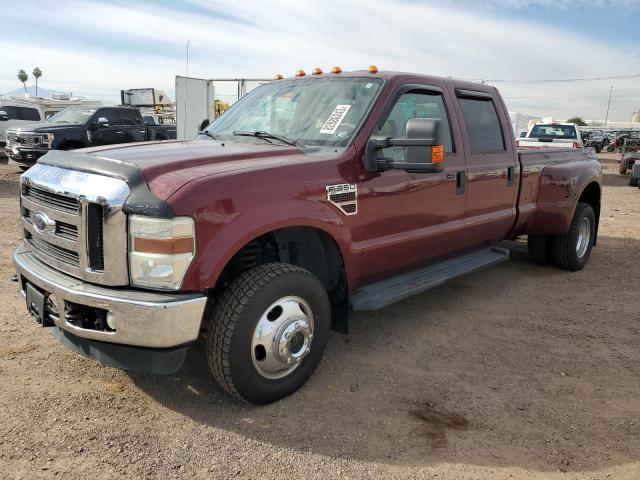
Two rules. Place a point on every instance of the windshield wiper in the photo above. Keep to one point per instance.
(266, 136)
(204, 132)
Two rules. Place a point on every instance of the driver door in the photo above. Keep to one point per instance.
(110, 133)
(410, 219)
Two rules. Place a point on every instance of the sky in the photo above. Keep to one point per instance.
(97, 48)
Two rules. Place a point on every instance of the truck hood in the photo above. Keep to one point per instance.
(42, 127)
(166, 166)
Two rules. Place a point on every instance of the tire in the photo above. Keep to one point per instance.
(623, 167)
(571, 251)
(24, 168)
(633, 181)
(540, 249)
(238, 360)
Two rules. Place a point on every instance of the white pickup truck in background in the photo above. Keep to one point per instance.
(552, 135)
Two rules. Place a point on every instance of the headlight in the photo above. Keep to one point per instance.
(44, 139)
(160, 251)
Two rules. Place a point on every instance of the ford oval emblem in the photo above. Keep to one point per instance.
(43, 223)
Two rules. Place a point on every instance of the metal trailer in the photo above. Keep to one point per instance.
(199, 99)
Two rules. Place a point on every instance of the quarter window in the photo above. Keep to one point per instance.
(414, 105)
(483, 125)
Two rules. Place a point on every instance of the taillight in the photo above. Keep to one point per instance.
(576, 145)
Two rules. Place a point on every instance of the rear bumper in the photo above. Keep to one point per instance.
(142, 319)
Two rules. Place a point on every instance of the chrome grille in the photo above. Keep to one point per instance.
(64, 230)
(60, 254)
(50, 199)
(23, 138)
(82, 229)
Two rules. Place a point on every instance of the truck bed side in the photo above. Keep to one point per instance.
(552, 183)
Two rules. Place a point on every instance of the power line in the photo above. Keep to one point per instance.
(564, 80)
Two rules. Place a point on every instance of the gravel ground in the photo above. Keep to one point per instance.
(517, 371)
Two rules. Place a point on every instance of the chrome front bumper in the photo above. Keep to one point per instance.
(143, 319)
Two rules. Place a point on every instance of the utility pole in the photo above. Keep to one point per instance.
(187, 73)
(606, 118)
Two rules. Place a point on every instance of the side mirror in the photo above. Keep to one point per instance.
(3, 116)
(103, 122)
(204, 124)
(424, 150)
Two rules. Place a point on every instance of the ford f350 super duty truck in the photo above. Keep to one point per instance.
(311, 197)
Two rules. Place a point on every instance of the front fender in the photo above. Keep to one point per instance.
(221, 233)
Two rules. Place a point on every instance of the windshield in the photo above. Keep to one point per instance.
(77, 115)
(312, 111)
(553, 131)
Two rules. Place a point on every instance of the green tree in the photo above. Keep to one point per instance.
(37, 73)
(578, 121)
(23, 77)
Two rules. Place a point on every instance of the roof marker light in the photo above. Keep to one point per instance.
(317, 71)
(300, 73)
(278, 76)
(372, 69)
(336, 69)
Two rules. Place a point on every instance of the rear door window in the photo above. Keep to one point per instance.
(483, 126)
(130, 118)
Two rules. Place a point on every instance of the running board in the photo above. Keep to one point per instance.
(378, 295)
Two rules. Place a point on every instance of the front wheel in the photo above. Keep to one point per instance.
(269, 331)
(571, 250)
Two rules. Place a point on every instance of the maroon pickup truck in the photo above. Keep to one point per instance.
(311, 197)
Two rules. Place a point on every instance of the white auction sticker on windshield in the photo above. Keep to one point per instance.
(335, 119)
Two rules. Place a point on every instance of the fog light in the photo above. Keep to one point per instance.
(111, 321)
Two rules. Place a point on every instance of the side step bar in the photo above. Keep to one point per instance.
(378, 295)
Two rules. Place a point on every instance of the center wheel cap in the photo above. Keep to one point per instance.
(282, 337)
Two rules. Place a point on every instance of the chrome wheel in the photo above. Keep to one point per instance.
(282, 337)
(584, 237)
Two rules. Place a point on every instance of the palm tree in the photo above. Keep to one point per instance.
(23, 77)
(37, 73)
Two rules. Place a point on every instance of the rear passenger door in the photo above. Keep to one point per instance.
(133, 124)
(491, 167)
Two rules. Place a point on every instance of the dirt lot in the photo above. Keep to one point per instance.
(518, 371)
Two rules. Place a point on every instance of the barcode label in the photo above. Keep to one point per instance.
(335, 119)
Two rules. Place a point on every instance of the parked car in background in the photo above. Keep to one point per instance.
(594, 139)
(552, 135)
(79, 127)
(309, 197)
(629, 157)
(19, 111)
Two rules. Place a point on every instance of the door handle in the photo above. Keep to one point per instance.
(119, 133)
(510, 176)
(460, 182)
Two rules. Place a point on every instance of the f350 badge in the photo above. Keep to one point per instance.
(344, 196)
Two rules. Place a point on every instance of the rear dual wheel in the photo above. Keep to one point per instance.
(269, 331)
(570, 251)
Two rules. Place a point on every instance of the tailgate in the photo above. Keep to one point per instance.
(545, 142)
